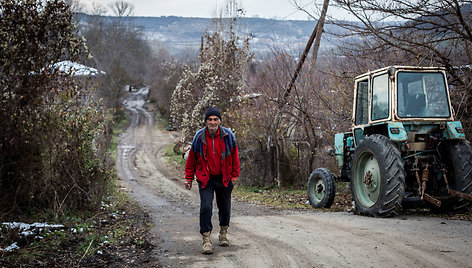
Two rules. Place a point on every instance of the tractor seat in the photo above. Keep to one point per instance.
(416, 105)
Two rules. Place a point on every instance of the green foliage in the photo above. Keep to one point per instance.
(49, 150)
(172, 157)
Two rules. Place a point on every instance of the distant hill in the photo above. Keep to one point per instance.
(184, 32)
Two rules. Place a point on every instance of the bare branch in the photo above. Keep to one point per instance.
(121, 8)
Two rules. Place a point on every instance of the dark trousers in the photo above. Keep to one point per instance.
(223, 202)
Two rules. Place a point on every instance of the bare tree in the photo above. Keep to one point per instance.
(118, 49)
(318, 107)
(296, 115)
(121, 8)
(98, 9)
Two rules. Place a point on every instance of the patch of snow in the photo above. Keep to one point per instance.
(76, 69)
(26, 226)
(105, 205)
(28, 230)
(27, 233)
(11, 247)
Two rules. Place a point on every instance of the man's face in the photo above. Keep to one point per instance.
(212, 123)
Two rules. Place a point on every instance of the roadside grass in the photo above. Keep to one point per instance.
(118, 128)
(271, 196)
(172, 158)
(86, 238)
(282, 198)
(161, 123)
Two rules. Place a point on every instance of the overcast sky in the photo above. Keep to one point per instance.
(280, 9)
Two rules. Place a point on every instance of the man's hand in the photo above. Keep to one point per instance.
(188, 184)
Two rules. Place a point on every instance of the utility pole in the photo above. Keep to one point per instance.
(320, 25)
(315, 37)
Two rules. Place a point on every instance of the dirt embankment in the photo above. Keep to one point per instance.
(261, 237)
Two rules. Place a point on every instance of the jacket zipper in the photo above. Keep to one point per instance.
(213, 141)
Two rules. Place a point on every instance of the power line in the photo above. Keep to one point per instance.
(285, 17)
(303, 7)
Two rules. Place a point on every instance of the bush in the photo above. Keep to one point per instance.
(48, 151)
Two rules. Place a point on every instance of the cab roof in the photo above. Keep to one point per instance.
(403, 68)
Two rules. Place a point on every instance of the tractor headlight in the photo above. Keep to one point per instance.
(394, 130)
(459, 130)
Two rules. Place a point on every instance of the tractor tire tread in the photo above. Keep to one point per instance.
(393, 178)
(459, 154)
(330, 188)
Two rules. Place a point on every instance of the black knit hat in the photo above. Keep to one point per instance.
(212, 111)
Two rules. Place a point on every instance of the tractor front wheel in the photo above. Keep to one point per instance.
(378, 177)
(321, 188)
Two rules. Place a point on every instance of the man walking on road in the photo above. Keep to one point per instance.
(214, 160)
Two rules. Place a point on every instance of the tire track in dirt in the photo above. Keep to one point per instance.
(385, 241)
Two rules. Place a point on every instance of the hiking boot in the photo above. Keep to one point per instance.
(222, 237)
(207, 248)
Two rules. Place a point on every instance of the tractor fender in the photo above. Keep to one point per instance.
(396, 132)
(342, 142)
(454, 131)
(339, 148)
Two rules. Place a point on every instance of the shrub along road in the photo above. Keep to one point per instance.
(263, 237)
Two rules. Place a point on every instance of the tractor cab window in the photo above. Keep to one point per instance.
(422, 94)
(380, 97)
(362, 102)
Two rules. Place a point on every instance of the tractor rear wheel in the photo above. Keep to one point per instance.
(378, 177)
(459, 173)
(321, 188)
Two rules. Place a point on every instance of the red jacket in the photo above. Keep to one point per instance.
(214, 153)
(197, 162)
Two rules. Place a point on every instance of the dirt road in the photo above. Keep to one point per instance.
(261, 237)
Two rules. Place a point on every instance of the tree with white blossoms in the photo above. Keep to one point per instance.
(182, 98)
(224, 60)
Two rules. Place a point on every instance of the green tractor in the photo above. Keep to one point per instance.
(404, 148)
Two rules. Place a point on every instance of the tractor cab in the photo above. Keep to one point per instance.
(389, 100)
